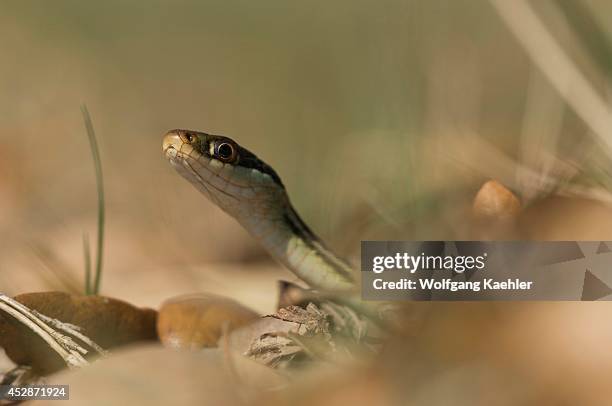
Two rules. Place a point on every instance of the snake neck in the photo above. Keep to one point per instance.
(293, 244)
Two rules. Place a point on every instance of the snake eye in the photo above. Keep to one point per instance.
(225, 152)
(190, 137)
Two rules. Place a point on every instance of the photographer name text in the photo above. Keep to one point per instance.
(456, 264)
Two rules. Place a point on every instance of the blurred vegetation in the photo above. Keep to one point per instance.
(373, 113)
(382, 117)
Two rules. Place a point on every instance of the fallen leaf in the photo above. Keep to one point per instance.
(108, 322)
(198, 320)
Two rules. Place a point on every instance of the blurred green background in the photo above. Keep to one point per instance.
(382, 117)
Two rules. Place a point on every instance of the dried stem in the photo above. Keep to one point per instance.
(63, 345)
(72, 330)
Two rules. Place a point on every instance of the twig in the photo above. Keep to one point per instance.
(63, 345)
(72, 330)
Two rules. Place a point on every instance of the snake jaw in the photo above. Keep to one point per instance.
(176, 150)
(171, 144)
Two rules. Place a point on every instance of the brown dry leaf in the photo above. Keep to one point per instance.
(495, 210)
(274, 350)
(108, 322)
(280, 349)
(198, 320)
(239, 341)
(495, 201)
(326, 332)
(311, 319)
(265, 340)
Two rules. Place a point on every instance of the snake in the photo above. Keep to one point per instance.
(250, 190)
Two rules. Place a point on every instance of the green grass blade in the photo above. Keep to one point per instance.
(100, 189)
(87, 257)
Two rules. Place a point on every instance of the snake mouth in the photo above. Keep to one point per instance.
(175, 148)
(171, 142)
(170, 153)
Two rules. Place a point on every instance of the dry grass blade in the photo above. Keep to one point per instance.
(63, 345)
(72, 330)
(589, 30)
(559, 69)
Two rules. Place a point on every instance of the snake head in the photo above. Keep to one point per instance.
(231, 176)
(248, 189)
